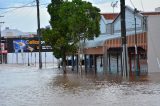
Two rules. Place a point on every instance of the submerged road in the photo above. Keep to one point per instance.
(28, 86)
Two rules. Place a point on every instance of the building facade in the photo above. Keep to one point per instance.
(141, 28)
(108, 44)
(23, 48)
(153, 43)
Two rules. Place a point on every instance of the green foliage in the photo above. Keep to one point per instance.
(70, 21)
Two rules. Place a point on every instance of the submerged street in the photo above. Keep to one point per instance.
(110, 49)
(28, 86)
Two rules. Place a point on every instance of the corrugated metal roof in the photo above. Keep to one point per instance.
(99, 41)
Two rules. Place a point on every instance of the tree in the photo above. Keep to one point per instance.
(70, 21)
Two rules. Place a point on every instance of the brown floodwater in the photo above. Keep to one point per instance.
(28, 86)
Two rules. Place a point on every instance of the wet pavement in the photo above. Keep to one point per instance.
(28, 86)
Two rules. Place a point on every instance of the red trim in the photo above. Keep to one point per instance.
(4, 52)
(150, 13)
(110, 16)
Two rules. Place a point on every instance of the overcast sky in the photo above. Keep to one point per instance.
(25, 19)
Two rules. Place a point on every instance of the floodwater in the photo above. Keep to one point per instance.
(28, 86)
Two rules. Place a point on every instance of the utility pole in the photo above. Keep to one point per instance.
(125, 70)
(0, 43)
(39, 34)
(136, 50)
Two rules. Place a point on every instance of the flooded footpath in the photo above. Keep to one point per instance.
(28, 86)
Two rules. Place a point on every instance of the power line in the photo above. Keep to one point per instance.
(25, 5)
(16, 13)
(142, 5)
(132, 4)
(15, 8)
(6, 8)
(21, 6)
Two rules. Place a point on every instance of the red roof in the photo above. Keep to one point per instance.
(110, 16)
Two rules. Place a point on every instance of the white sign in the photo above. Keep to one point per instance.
(2, 46)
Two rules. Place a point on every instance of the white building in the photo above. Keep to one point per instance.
(153, 43)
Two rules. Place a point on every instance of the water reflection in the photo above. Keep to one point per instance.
(87, 81)
(20, 86)
(107, 89)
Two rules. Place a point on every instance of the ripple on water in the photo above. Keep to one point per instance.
(28, 86)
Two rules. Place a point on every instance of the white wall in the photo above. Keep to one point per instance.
(102, 25)
(130, 22)
(33, 57)
(157, 9)
(153, 43)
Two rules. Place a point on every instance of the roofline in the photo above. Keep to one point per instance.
(103, 19)
(130, 9)
(109, 13)
(150, 13)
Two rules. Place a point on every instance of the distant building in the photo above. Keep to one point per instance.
(23, 48)
(157, 9)
(15, 33)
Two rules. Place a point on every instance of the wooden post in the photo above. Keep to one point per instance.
(85, 63)
(95, 63)
(90, 61)
(109, 62)
(72, 62)
(77, 65)
(101, 62)
(117, 63)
